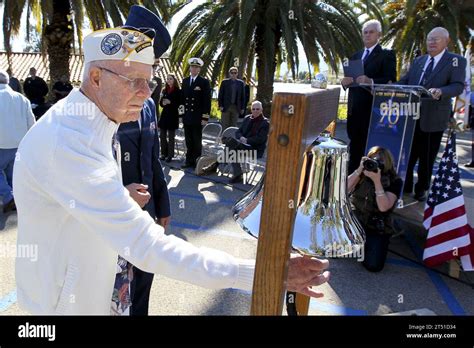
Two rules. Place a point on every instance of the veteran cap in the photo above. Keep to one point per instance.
(119, 44)
(142, 39)
(140, 18)
(196, 61)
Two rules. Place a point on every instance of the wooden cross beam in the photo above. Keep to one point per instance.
(299, 115)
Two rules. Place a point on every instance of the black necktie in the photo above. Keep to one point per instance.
(428, 71)
(367, 52)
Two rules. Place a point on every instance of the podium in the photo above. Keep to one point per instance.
(395, 109)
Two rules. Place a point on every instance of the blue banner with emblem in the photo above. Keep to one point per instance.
(392, 124)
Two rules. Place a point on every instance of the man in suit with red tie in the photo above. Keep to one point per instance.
(443, 74)
(196, 98)
(379, 67)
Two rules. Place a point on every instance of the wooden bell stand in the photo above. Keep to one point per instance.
(299, 115)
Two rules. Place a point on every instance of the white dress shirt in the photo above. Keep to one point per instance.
(437, 58)
(370, 51)
(16, 117)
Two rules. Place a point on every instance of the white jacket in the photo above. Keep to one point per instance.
(16, 117)
(72, 205)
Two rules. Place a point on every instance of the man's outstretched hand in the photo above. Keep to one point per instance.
(305, 272)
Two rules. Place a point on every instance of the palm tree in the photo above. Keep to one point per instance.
(412, 20)
(57, 19)
(266, 32)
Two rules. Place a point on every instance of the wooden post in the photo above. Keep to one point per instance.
(298, 116)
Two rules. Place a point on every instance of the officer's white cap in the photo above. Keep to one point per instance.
(195, 61)
(127, 45)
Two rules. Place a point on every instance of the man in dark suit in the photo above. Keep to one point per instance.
(251, 136)
(443, 74)
(143, 176)
(141, 169)
(196, 98)
(231, 99)
(379, 67)
(35, 88)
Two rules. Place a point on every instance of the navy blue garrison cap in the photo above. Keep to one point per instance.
(142, 19)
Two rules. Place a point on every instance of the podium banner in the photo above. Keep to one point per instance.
(392, 124)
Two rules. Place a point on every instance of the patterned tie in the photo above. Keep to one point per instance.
(121, 297)
(367, 52)
(428, 71)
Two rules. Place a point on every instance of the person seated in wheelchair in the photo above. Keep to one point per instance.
(247, 144)
(374, 190)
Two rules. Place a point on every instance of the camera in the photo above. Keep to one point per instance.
(372, 165)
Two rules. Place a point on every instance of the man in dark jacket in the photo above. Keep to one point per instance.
(379, 67)
(196, 98)
(143, 176)
(249, 142)
(231, 99)
(443, 74)
(35, 88)
(142, 173)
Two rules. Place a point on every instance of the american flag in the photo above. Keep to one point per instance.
(449, 234)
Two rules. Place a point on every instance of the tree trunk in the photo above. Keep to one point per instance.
(266, 44)
(58, 37)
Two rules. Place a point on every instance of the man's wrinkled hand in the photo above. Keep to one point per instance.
(305, 272)
(436, 92)
(363, 79)
(139, 193)
(346, 81)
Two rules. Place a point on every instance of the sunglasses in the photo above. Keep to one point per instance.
(233, 72)
(255, 109)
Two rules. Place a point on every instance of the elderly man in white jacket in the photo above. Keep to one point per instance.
(72, 204)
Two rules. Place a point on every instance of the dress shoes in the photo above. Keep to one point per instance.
(237, 179)
(168, 159)
(210, 168)
(10, 206)
(187, 165)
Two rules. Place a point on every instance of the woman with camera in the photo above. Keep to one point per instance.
(375, 188)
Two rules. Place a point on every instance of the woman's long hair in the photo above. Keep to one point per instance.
(387, 158)
(174, 86)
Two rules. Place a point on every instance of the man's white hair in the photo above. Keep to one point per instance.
(440, 30)
(374, 22)
(256, 102)
(4, 77)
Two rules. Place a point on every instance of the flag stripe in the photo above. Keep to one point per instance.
(447, 226)
(448, 205)
(441, 209)
(443, 237)
(459, 243)
(438, 258)
(467, 261)
(449, 215)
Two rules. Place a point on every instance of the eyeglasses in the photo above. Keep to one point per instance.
(233, 72)
(133, 83)
(434, 39)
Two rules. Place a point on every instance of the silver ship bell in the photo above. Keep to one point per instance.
(324, 224)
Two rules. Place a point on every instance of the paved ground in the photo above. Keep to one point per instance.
(201, 209)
